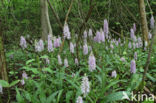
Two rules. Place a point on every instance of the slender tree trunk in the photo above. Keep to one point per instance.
(3, 70)
(45, 22)
(144, 25)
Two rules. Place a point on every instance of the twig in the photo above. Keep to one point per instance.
(149, 7)
(86, 19)
(56, 16)
(119, 34)
(66, 19)
(129, 12)
(79, 11)
(149, 56)
(109, 9)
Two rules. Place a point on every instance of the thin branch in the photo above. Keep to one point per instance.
(119, 34)
(79, 11)
(149, 7)
(56, 16)
(81, 27)
(66, 19)
(129, 12)
(149, 56)
(87, 17)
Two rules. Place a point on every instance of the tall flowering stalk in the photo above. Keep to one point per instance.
(152, 21)
(137, 45)
(59, 60)
(140, 42)
(135, 55)
(23, 42)
(66, 62)
(1, 89)
(132, 34)
(98, 34)
(71, 47)
(97, 38)
(39, 46)
(90, 34)
(123, 59)
(102, 35)
(106, 28)
(134, 46)
(114, 74)
(149, 35)
(116, 43)
(111, 46)
(76, 61)
(85, 49)
(66, 31)
(134, 27)
(85, 88)
(119, 40)
(24, 76)
(47, 61)
(57, 42)
(92, 62)
(50, 45)
(85, 34)
(133, 66)
(79, 100)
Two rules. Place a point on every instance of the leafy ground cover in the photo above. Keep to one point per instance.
(105, 69)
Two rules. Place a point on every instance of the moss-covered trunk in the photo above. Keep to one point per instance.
(45, 22)
(3, 71)
(143, 18)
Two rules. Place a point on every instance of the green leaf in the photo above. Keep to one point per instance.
(34, 70)
(27, 96)
(68, 96)
(47, 70)
(44, 57)
(150, 77)
(135, 82)
(4, 83)
(14, 83)
(52, 97)
(29, 61)
(113, 83)
(116, 96)
(19, 98)
(59, 95)
(73, 84)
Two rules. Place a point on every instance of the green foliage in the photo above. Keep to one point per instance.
(6, 84)
(52, 83)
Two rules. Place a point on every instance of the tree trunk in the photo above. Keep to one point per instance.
(45, 22)
(3, 71)
(144, 26)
